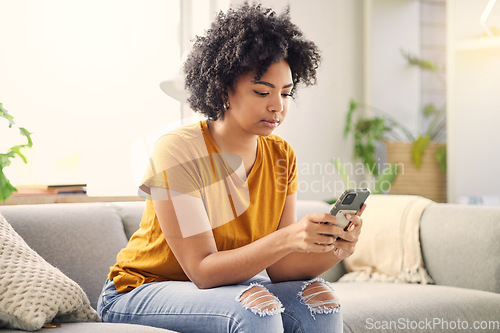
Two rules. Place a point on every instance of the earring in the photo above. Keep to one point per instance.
(226, 106)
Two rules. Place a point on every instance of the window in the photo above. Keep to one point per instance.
(84, 77)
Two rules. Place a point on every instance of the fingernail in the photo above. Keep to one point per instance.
(351, 227)
(348, 216)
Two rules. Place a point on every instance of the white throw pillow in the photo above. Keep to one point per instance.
(32, 291)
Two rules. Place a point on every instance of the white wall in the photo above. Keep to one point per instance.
(95, 86)
(473, 105)
(94, 81)
(83, 76)
(314, 126)
(392, 85)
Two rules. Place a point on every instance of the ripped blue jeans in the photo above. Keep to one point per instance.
(257, 305)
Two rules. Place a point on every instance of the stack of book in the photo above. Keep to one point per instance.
(51, 189)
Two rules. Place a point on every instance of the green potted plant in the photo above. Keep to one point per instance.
(369, 131)
(6, 188)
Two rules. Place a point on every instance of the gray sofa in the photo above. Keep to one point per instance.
(459, 244)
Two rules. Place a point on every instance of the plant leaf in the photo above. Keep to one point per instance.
(441, 157)
(348, 120)
(424, 64)
(387, 177)
(5, 159)
(27, 134)
(367, 133)
(6, 188)
(429, 109)
(17, 150)
(6, 115)
(342, 171)
(418, 149)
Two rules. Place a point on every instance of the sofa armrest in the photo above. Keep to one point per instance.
(305, 207)
(460, 245)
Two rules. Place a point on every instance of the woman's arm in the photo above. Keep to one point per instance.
(197, 252)
(308, 265)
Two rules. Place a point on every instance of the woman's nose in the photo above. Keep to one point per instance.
(276, 106)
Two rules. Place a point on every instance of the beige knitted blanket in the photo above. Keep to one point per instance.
(388, 249)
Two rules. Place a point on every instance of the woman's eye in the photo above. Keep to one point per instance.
(263, 94)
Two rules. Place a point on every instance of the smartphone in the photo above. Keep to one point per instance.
(350, 202)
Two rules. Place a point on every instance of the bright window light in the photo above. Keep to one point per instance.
(84, 77)
(486, 13)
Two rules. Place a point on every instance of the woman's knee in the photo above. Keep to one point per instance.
(260, 301)
(261, 310)
(324, 308)
(319, 297)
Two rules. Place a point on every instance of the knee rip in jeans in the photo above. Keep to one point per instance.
(259, 300)
(319, 297)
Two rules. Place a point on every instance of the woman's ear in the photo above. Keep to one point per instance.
(225, 98)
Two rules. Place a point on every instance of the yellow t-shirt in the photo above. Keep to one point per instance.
(240, 209)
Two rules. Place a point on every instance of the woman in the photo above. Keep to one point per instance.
(221, 199)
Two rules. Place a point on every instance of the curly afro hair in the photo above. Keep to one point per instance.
(248, 39)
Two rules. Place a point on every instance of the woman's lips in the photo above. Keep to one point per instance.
(271, 123)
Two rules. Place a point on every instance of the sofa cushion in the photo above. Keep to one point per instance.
(460, 245)
(100, 328)
(33, 292)
(131, 214)
(372, 306)
(82, 240)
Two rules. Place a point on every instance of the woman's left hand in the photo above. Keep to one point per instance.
(345, 244)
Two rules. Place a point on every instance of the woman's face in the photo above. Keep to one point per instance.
(258, 107)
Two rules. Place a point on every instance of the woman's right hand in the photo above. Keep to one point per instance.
(315, 232)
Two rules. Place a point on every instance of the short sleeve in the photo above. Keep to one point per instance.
(178, 165)
(293, 184)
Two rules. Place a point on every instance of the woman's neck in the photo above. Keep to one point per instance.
(230, 139)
